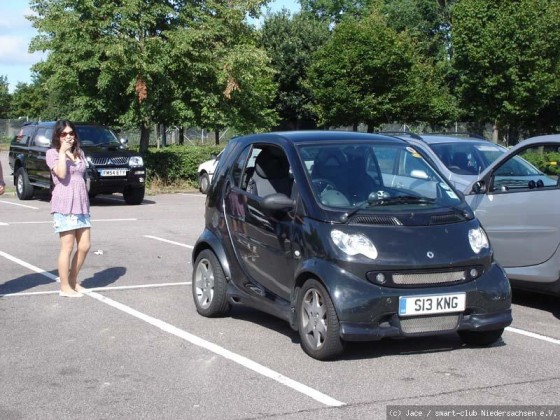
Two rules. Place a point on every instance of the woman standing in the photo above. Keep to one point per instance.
(69, 204)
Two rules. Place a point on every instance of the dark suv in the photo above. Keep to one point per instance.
(111, 168)
(348, 237)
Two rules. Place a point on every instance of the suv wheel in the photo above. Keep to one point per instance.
(134, 196)
(318, 324)
(481, 338)
(23, 188)
(209, 285)
(204, 183)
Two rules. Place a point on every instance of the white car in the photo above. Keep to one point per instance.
(206, 172)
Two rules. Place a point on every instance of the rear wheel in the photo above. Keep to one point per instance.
(134, 196)
(481, 338)
(23, 188)
(318, 325)
(209, 285)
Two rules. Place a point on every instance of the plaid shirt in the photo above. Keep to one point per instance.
(69, 195)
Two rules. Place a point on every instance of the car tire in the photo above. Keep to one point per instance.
(134, 196)
(318, 325)
(204, 183)
(24, 189)
(480, 338)
(209, 286)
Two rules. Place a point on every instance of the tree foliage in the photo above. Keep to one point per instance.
(5, 97)
(121, 62)
(507, 58)
(290, 42)
(368, 73)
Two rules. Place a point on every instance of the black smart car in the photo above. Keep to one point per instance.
(348, 237)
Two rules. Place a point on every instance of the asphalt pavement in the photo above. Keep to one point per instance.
(135, 348)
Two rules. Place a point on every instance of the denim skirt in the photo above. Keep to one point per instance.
(66, 222)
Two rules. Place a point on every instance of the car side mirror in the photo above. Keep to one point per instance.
(479, 187)
(278, 201)
(123, 141)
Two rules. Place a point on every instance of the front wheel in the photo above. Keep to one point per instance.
(209, 285)
(24, 188)
(481, 338)
(134, 196)
(318, 325)
(204, 183)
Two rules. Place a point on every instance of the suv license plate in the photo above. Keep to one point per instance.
(434, 304)
(114, 172)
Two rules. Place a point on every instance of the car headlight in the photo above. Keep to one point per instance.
(136, 161)
(478, 239)
(354, 244)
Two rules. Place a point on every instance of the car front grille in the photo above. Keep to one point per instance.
(375, 220)
(105, 161)
(429, 324)
(415, 279)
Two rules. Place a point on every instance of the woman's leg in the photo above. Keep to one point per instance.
(83, 245)
(66, 246)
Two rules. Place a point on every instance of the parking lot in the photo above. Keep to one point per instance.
(135, 347)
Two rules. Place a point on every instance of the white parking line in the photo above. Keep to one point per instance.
(214, 348)
(19, 205)
(533, 335)
(169, 242)
(101, 289)
(30, 266)
(200, 342)
(50, 221)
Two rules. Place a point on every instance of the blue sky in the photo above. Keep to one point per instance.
(16, 33)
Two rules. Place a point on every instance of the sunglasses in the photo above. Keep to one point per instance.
(67, 133)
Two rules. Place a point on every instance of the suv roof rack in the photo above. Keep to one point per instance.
(401, 133)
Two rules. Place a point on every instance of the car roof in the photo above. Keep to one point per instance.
(451, 138)
(310, 136)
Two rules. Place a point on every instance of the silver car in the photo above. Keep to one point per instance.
(460, 158)
(517, 205)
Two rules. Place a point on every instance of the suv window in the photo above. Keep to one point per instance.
(43, 137)
(24, 134)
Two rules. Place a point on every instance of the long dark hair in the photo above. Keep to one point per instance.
(57, 131)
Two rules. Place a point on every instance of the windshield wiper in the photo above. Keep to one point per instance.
(377, 199)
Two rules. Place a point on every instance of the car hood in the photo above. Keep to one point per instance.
(106, 151)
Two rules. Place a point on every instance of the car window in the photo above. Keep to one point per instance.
(96, 135)
(466, 157)
(346, 175)
(237, 169)
(532, 168)
(24, 135)
(43, 137)
(267, 172)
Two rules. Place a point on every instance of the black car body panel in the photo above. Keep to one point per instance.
(421, 250)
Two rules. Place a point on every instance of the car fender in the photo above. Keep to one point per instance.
(209, 240)
(345, 289)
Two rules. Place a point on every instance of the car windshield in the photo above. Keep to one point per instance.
(374, 175)
(466, 157)
(90, 135)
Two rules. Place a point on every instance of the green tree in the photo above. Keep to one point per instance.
(291, 42)
(120, 62)
(507, 59)
(368, 73)
(5, 97)
(30, 101)
(333, 11)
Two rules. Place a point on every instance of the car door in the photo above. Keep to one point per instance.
(518, 203)
(261, 238)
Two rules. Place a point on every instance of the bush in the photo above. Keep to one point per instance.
(176, 163)
(545, 162)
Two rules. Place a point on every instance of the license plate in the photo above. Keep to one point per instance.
(114, 172)
(434, 304)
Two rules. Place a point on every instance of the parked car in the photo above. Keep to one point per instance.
(111, 168)
(517, 204)
(206, 172)
(459, 157)
(348, 237)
